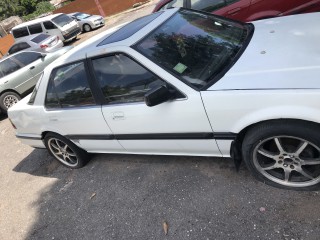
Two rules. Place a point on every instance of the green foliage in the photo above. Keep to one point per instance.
(41, 8)
(10, 8)
(27, 8)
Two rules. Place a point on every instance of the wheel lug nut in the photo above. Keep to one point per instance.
(280, 162)
(285, 165)
(291, 166)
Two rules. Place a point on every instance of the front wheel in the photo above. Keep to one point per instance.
(7, 100)
(65, 151)
(87, 28)
(284, 154)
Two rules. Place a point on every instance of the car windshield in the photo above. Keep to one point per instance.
(81, 15)
(194, 46)
(62, 20)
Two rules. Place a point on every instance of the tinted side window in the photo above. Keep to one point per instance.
(14, 49)
(174, 3)
(20, 32)
(27, 57)
(122, 80)
(68, 87)
(9, 66)
(24, 45)
(36, 28)
(49, 25)
(208, 5)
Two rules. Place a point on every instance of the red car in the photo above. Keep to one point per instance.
(245, 10)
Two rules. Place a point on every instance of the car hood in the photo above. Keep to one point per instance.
(284, 53)
(92, 18)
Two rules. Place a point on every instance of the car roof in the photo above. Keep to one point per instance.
(83, 49)
(38, 20)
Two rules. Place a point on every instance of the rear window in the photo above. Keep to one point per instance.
(36, 28)
(129, 29)
(40, 38)
(20, 32)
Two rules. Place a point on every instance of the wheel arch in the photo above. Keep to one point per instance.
(236, 146)
(10, 90)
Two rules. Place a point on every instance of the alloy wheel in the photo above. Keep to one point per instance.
(63, 152)
(288, 160)
(10, 100)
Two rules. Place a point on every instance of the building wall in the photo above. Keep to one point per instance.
(100, 7)
(5, 44)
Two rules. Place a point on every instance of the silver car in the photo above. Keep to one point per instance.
(87, 22)
(41, 42)
(20, 72)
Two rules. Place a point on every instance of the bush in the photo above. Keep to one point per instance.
(41, 8)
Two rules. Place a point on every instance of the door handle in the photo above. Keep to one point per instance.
(235, 10)
(118, 116)
(32, 67)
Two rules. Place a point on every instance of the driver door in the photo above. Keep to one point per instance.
(179, 126)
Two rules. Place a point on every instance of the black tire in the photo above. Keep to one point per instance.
(66, 152)
(86, 27)
(7, 100)
(284, 154)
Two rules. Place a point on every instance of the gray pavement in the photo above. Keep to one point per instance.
(130, 196)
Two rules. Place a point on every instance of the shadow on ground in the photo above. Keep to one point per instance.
(130, 196)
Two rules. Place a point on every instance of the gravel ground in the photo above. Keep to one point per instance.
(131, 196)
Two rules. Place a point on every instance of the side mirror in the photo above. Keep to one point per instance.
(43, 55)
(157, 95)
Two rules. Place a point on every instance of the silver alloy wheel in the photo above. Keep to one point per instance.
(87, 27)
(62, 152)
(10, 100)
(289, 161)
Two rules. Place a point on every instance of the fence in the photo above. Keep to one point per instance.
(5, 44)
(101, 7)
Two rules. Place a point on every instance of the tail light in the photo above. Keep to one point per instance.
(43, 46)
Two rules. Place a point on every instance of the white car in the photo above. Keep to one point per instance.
(182, 82)
(88, 22)
(41, 42)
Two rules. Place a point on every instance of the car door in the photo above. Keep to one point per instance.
(33, 63)
(72, 110)
(179, 126)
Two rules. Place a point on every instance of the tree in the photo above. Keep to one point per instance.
(10, 8)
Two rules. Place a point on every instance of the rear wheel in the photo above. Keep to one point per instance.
(87, 28)
(7, 100)
(65, 151)
(284, 154)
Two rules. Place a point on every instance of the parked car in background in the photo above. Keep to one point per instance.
(59, 24)
(20, 72)
(88, 22)
(245, 10)
(180, 82)
(41, 42)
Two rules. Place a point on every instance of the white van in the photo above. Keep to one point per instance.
(57, 24)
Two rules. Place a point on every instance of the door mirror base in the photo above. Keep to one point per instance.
(157, 96)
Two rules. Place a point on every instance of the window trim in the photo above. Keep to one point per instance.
(104, 102)
(96, 100)
(213, 80)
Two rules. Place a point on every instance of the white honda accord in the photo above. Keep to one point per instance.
(182, 82)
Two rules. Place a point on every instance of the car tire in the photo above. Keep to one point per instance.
(284, 154)
(65, 151)
(7, 100)
(87, 27)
